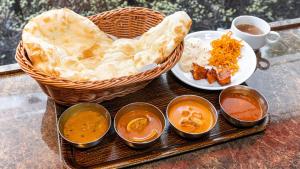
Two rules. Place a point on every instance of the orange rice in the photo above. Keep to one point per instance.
(225, 53)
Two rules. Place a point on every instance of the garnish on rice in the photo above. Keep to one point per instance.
(225, 53)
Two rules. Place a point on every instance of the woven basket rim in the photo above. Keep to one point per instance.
(59, 82)
(127, 8)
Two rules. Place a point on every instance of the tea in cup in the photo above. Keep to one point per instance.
(255, 31)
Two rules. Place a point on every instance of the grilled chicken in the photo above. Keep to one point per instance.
(211, 76)
(199, 72)
(224, 77)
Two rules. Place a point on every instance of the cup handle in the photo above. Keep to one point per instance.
(276, 34)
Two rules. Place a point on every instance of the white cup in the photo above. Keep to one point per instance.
(255, 41)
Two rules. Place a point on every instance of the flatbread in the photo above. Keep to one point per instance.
(62, 38)
(64, 44)
(124, 45)
(159, 42)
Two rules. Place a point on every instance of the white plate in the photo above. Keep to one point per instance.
(247, 64)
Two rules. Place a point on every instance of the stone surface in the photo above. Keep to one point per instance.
(27, 131)
(29, 139)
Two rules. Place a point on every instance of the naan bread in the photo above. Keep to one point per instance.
(126, 46)
(159, 42)
(113, 65)
(64, 44)
(60, 39)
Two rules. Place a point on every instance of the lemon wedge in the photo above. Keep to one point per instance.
(137, 124)
(148, 137)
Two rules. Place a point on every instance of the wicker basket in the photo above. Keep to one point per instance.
(125, 23)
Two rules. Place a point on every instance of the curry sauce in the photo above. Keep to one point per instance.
(139, 125)
(242, 107)
(85, 126)
(191, 116)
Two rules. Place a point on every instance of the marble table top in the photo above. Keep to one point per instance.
(29, 138)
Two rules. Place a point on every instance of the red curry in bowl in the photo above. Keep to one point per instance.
(242, 107)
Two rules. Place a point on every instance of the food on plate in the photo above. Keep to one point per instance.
(215, 64)
(199, 72)
(85, 126)
(195, 51)
(139, 125)
(190, 116)
(223, 76)
(211, 76)
(64, 44)
(225, 53)
(241, 106)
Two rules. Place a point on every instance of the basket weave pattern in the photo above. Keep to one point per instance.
(122, 23)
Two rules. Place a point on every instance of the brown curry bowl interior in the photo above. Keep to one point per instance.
(79, 108)
(247, 91)
(144, 106)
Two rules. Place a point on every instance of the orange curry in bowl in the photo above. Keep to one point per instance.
(191, 116)
(139, 125)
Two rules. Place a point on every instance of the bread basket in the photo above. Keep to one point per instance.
(122, 23)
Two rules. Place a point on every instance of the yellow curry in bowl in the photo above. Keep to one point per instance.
(85, 126)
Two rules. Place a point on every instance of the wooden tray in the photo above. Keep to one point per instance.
(112, 152)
